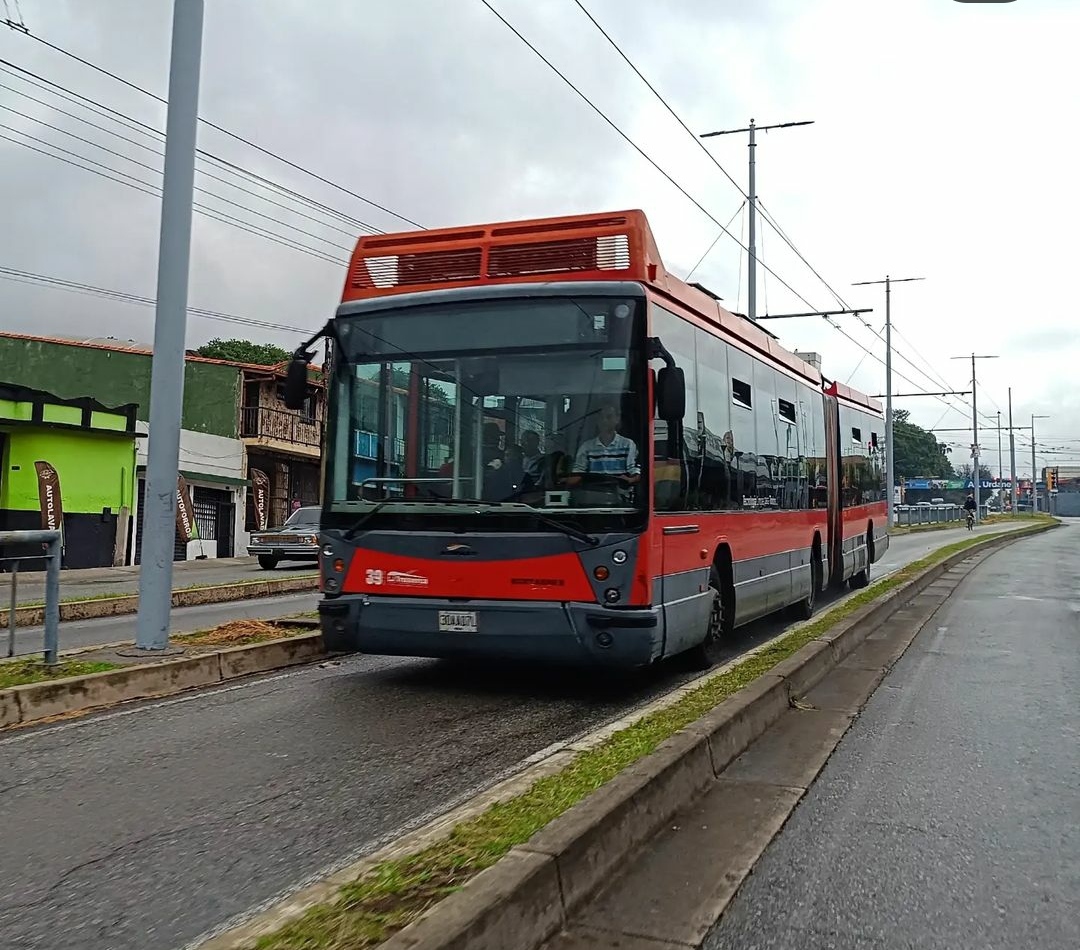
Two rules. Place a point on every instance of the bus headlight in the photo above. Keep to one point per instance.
(611, 595)
(328, 550)
(619, 557)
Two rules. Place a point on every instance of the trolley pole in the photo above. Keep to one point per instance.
(170, 323)
(890, 474)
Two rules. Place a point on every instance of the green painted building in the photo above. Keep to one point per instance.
(92, 447)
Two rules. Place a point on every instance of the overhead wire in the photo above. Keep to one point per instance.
(104, 111)
(148, 188)
(708, 250)
(769, 218)
(224, 131)
(30, 277)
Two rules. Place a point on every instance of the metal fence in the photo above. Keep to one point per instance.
(52, 555)
(932, 514)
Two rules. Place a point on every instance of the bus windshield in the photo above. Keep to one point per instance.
(524, 404)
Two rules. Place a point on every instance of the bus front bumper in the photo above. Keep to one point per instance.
(545, 631)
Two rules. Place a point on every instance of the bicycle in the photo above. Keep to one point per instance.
(971, 521)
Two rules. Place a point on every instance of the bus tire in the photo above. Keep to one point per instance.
(804, 609)
(266, 562)
(709, 652)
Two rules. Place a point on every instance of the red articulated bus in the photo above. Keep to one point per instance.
(543, 445)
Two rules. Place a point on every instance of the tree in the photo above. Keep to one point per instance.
(244, 351)
(985, 475)
(916, 453)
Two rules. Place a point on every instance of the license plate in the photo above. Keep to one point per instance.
(457, 621)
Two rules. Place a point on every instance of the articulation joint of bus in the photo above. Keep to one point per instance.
(541, 445)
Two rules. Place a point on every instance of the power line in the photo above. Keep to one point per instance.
(158, 171)
(159, 153)
(634, 145)
(58, 283)
(708, 250)
(135, 125)
(224, 131)
(147, 188)
(767, 215)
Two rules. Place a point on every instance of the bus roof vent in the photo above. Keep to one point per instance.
(608, 252)
(425, 267)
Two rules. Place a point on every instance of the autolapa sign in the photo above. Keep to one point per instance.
(260, 490)
(49, 499)
(185, 514)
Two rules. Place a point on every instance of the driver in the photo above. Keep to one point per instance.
(608, 453)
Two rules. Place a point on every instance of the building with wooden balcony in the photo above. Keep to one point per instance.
(234, 420)
(284, 444)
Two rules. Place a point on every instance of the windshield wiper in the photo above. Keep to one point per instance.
(489, 506)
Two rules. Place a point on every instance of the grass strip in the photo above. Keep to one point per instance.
(238, 633)
(392, 894)
(21, 672)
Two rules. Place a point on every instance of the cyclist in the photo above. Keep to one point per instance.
(969, 507)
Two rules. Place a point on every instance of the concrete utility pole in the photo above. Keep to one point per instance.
(1034, 473)
(170, 323)
(1012, 455)
(1001, 466)
(976, 477)
(751, 274)
(890, 476)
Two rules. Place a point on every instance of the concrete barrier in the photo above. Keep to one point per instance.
(34, 702)
(187, 597)
(588, 842)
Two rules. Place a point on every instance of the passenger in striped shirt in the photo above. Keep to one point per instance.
(608, 454)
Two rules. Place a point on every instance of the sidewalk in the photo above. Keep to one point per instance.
(102, 581)
(948, 816)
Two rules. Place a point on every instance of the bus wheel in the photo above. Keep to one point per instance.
(804, 609)
(266, 562)
(709, 652)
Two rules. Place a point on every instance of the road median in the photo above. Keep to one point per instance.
(123, 604)
(509, 875)
(207, 664)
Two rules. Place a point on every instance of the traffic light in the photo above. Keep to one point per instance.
(1051, 479)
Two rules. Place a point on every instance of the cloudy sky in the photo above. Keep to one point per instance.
(943, 146)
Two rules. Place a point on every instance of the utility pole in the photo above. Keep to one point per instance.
(976, 478)
(751, 274)
(1001, 472)
(1034, 474)
(170, 323)
(1012, 456)
(889, 461)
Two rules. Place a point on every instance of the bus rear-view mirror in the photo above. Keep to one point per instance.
(671, 393)
(296, 383)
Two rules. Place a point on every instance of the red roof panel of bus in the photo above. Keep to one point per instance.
(854, 397)
(616, 245)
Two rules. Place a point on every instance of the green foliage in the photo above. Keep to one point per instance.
(916, 452)
(244, 351)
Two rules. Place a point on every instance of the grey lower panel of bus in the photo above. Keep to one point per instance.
(856, 555)
(536, 630)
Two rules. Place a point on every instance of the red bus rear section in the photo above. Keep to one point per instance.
(542, 445)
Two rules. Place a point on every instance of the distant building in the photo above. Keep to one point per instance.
(234, 420)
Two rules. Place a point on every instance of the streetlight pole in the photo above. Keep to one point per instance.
(975, 452)
(1034, 475)
(1012, 456)
(751, 273)
(170, 322)
(890, 476)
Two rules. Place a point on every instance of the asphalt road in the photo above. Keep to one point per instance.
(949, 815)
(83, 633)
(102, 581)
(146, 826)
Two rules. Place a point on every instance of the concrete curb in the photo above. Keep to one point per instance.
(21, 705)
(185, 597)
(585, 845)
